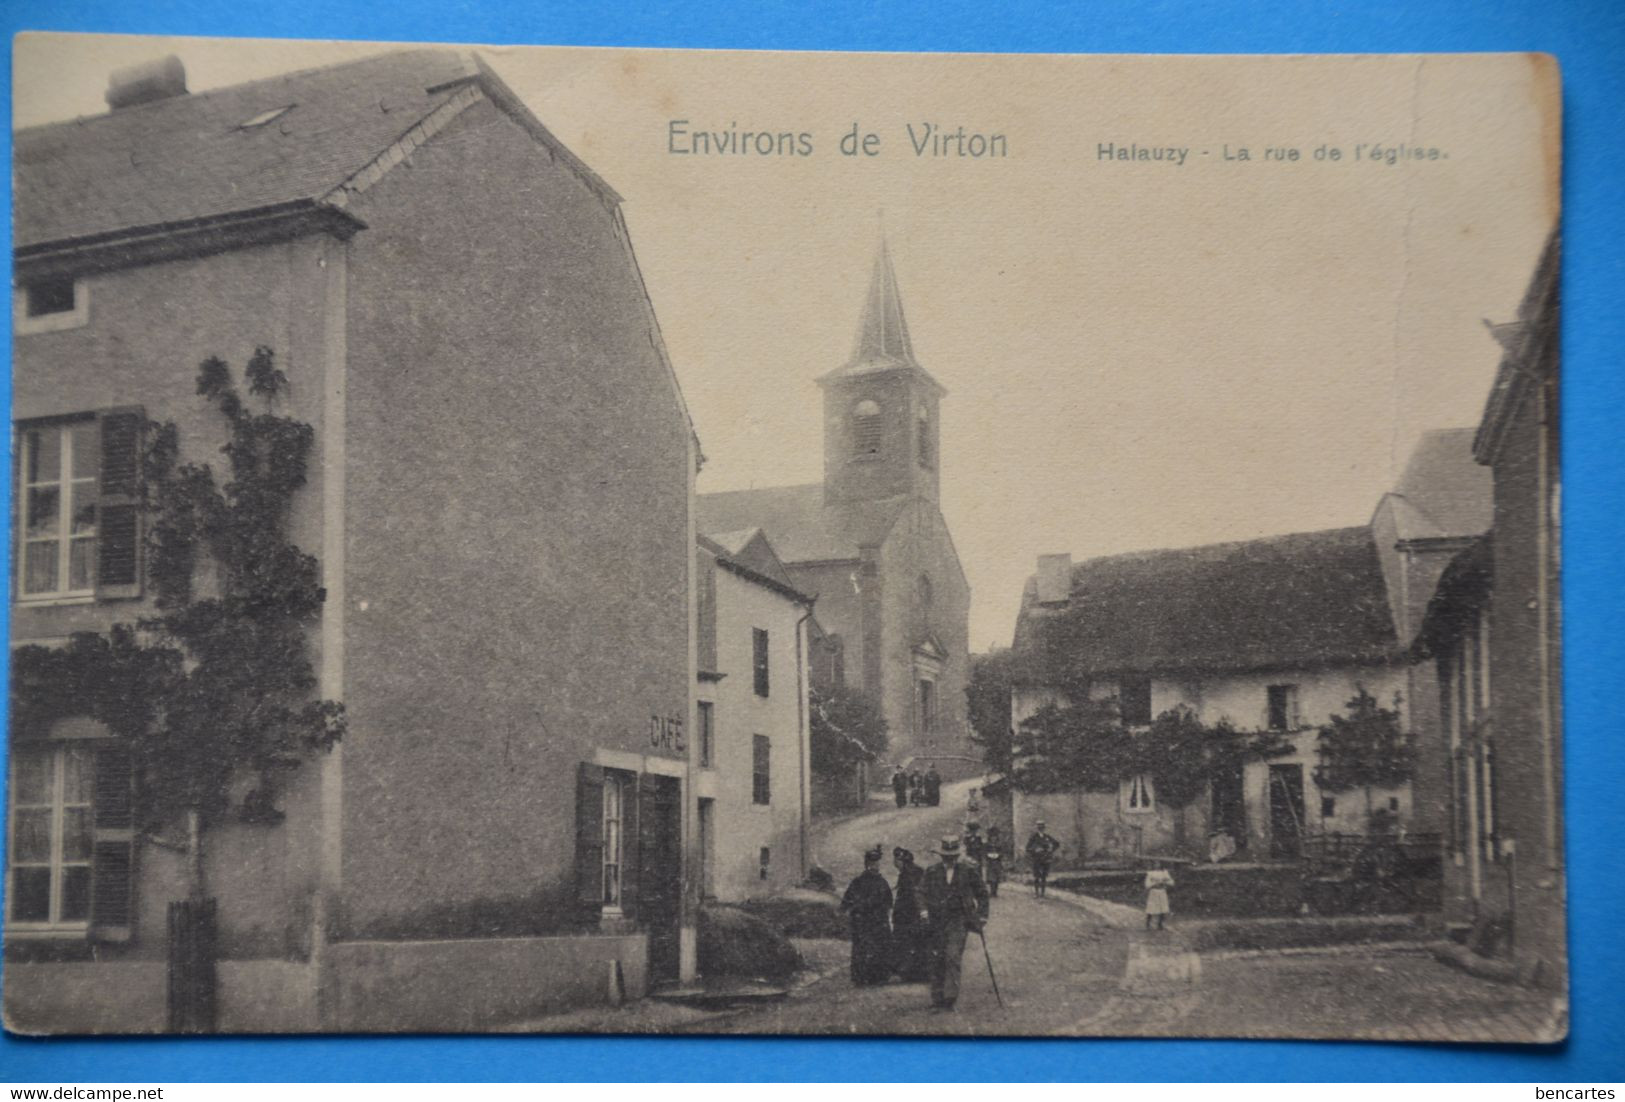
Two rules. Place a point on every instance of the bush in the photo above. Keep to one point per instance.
(735, 943)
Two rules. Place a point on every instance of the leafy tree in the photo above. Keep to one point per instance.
(987, 697)
(219, 684)
(1078, 745)
(846, 728)
(1366, 748)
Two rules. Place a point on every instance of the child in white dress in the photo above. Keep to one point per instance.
(1157, 882)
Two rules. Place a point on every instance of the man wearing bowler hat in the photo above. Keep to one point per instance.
(956, 905)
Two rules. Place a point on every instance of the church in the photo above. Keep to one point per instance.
(870, 541)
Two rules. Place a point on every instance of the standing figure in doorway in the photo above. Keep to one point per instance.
(899, 786)
(933, 785)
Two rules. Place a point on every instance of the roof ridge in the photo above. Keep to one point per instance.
(125, 112)
(1151, 551)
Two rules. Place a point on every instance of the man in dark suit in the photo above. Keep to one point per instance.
(956, 905)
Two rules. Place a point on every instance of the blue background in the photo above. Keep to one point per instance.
(1587, 36)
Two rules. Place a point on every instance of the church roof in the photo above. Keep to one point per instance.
(796, 521)
(1444, 493)
(1300, 600)
(882, 342)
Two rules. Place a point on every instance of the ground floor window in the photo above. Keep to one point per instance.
(761, 770)
(51, 835)
(1138, 794)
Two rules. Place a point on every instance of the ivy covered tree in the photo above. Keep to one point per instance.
(1085, 745)
(1366, 748)
(218, 685)
(987, 697)
(846, 728)
(1062, 747)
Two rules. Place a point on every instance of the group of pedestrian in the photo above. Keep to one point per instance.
(918, 931)
(916, 788)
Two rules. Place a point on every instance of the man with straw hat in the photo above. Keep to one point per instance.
(956, 905)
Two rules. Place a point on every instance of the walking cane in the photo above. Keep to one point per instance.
(987, 956)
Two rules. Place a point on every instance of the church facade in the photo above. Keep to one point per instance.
(870, 541)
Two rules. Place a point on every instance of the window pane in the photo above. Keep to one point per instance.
(76, 834)
(82, 507)
(87, 449)
(82, 563)
(75, 894)
(76, 762)
(31, 777)
(39, 570)
(30, 895)
(44, 448)
(32, 840)
(43, 505)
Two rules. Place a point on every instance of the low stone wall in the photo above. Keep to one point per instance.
(473, 985)
(86, 996)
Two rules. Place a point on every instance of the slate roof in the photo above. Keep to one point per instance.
(189, 157)
(1305, 599)
(1444, 492)
(797, 522)
(882, 342)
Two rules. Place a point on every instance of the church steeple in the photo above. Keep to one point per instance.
(880, 407)
(882, 331)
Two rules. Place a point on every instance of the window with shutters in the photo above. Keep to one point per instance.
(761, 774)
(866, 430)
(1281, 702)
(78, 509)
(758, 643)
(50, 304)
(51, 836)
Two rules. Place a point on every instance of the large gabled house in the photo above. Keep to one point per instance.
(499, 502)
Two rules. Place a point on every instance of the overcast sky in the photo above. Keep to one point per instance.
(1137, 354)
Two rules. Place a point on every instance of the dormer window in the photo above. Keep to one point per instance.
(923, 435)
(48, 304)
(866, 430)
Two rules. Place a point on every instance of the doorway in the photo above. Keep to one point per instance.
(1286, 811)
(1229, 807)
(660, 870)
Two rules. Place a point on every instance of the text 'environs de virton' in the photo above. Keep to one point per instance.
(922, 139)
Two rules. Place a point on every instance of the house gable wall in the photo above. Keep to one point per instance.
(518, 544)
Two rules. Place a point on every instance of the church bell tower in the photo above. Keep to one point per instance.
(881, 431)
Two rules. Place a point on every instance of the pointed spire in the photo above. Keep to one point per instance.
(882, 331)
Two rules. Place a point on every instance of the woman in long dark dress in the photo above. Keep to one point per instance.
(911, 957)
(868, 902)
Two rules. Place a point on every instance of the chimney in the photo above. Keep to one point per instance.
(1054, 579)
(147, 82)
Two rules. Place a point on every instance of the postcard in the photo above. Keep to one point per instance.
(531, 539)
